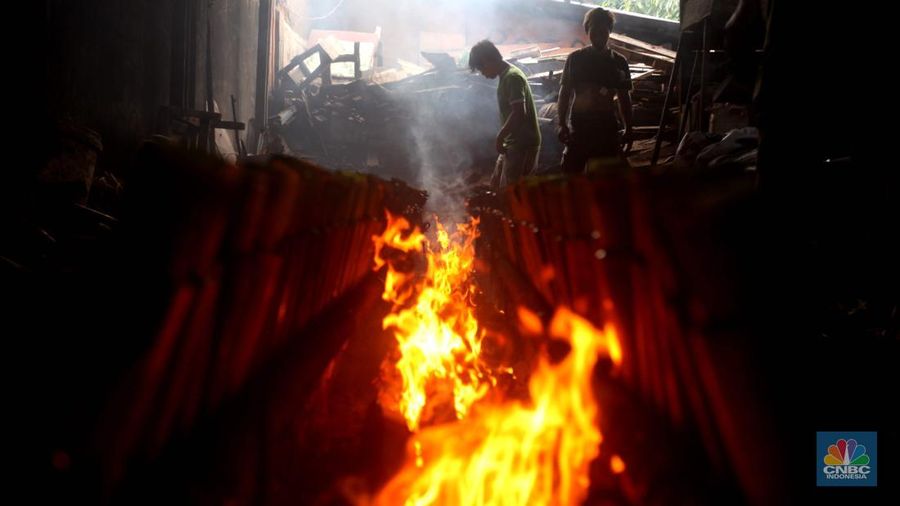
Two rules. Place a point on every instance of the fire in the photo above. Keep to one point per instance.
(510, 453)
(517, 453)
(438, 337)
(616, 464)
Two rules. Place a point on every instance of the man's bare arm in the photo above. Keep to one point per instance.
(562, 111)
(625, 109)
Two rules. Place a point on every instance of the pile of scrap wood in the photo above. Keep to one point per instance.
(442, 119)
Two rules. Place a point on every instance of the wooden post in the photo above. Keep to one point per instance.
(662, 117)
(357, 64)
(687, 99)
(264, 49)
(701, 117)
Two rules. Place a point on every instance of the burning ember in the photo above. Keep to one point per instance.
(438, 337)
(511, 453)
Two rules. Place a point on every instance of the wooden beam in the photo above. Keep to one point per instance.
(660, 51)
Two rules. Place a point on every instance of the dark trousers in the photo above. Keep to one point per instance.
(595, 138)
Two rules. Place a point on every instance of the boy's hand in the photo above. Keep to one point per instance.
(563, 134)
(498, 143)
(626, 138)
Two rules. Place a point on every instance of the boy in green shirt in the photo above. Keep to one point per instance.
(519, 139)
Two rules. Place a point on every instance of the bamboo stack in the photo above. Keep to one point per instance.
(253, 253)
(600, 246)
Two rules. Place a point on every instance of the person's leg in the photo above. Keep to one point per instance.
(606, 156)
(510, 162)
(608, 140)
(531, 161)
(498, 171)
(591, 140)
(519, 162)
(575, 155)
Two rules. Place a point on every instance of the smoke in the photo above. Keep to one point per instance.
(452, 116)
(453, 131)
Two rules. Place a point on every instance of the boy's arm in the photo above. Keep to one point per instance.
(624, 96)
(562, 110)
(625, 109)
(562, 104)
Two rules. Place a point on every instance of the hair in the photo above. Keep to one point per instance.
(598, 15)
(483, 52)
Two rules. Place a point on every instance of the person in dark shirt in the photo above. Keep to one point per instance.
(592, 78)
(519, 140)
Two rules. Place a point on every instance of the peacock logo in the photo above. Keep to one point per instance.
(846, 452)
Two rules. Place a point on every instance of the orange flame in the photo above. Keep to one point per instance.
(516, 453)
(438, 337)
(616, 464)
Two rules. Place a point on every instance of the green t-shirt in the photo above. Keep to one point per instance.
(512, 89)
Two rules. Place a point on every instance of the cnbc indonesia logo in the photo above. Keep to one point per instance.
(847, 461)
